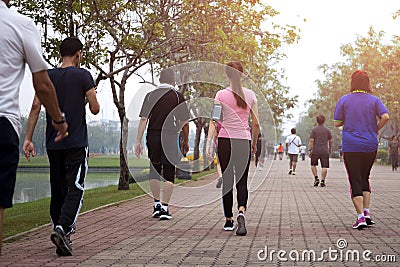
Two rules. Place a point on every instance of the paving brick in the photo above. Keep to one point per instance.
(285, 212)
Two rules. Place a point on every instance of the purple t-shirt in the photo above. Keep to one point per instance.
(235, 119)
(359, 112)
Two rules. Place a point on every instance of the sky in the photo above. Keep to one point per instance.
(324, 25)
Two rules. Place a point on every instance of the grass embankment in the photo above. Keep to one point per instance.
(25, 216)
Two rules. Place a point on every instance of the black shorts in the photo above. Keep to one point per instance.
(293, 157)
(323, 158)
(9, 156)
(163, 156)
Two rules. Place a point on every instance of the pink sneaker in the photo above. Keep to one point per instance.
(368, 218)
(360, 224)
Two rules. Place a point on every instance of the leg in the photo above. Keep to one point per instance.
(352, 161)
(324, 173)
(155, 188)
(314, 170)
(224, 158)
(1, 228)
(9, 157)
(76, 165)
(154, 153)
(58, 184)
(368, 161)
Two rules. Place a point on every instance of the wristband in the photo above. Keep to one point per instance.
(62, 119)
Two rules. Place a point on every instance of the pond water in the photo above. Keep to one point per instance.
(31, 186)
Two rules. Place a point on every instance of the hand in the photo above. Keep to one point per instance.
(28, 149)
(254, 148)
(62, 131)
(209, 153)
(138, 149)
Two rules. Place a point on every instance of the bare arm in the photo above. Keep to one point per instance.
(47, 95)
(141, 128)
(330, 146)
(310, 146)
(28, 147)
(384, 119)
(338, 123)
(210, 136)
(92, 99)
(255, 127)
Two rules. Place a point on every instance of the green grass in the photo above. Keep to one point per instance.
(25, 216)
(106, 161)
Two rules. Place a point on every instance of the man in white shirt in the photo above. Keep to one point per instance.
(20, 44)
(293, 142)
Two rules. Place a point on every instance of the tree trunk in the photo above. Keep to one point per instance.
(124, 170)
(196, 149)
(206, 166)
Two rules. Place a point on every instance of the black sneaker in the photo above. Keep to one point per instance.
(219, 183)
(164, 215)
(323, 183)
(59, 252)
(156, 211)
(290, 171)
(241, 228)
(62, 241)
(316, 182)
(229, 225)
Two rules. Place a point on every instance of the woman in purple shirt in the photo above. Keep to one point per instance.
(235, 143)
(357, 112)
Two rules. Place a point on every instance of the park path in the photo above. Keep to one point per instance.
(285, 212)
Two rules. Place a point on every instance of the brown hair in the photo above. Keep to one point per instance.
(360, 81)
(234, 72)
(320, 119)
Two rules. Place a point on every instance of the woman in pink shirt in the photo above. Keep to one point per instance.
(235, 143)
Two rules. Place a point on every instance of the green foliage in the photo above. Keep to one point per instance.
(372, 54)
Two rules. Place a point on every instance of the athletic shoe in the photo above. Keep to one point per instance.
(316, 182)
(164, 215)
(229, 225)
(219, 183)
(290, 171)
(59, 252)
(241, 228)
(323, 183)
(360, 224)
(294, 173)
(62, 242)
(156, 211)
(368, 218)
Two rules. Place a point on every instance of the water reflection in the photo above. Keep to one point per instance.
(33, 186)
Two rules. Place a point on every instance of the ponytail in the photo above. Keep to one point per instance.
(234, 72)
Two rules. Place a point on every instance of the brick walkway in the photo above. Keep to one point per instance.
(284, 213)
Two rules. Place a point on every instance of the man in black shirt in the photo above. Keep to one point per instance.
(67, 158)
(320, 146)
(167, 113)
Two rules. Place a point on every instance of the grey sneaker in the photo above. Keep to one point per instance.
(62, 241)
(241, 228)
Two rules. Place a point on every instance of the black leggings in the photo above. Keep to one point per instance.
(358, 166)
(234, 158)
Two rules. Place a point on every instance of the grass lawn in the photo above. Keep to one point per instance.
(25, 216)
(106, 161)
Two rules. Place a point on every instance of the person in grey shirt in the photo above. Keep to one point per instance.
(320, 146)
